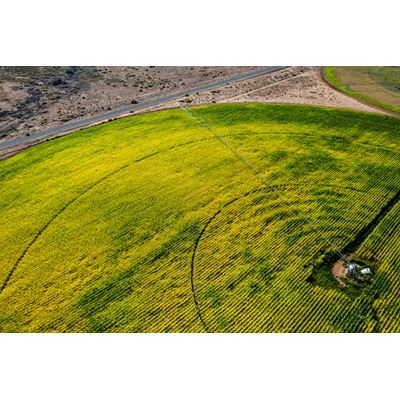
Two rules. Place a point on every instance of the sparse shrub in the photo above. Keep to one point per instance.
(58, 82)
(70, 71)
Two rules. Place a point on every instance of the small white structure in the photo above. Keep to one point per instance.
(351, 270)
(365, 271)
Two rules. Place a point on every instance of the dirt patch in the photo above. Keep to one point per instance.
(338, 272)
(307, 88)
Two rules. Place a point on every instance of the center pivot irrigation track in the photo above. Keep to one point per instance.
(196, 245)
(341, 254)
(93, 185)
(358, 240)
(258, 173)
(77, 197)
(194, 250)
(349, 248)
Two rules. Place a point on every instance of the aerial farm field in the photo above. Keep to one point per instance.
(218, 218)
(378, 86)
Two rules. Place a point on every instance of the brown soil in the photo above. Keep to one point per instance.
(338, 271)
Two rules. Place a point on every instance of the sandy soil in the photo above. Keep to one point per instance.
(297, 85)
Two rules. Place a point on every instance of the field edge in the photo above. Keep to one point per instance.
(329, 75)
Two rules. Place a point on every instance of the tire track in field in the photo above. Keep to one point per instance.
(199, 238)
(196, 245)
(77, 197)
(73, 200)
(45, 226)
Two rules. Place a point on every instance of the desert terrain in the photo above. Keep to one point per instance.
(33, 98)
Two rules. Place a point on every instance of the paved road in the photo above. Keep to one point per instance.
(83, 123)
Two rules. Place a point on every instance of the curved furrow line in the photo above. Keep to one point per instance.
(45, 226)
(73, 200)
(196, 245)
(199, 238)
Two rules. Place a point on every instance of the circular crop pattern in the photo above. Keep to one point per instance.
(209, 219)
